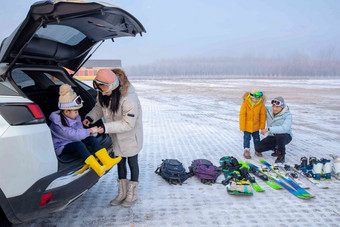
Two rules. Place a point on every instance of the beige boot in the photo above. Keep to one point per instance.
(122, 184)
(246, 153)
(131, 195)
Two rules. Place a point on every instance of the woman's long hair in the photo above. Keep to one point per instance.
(114, 99)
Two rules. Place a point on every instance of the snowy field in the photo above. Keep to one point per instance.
(191, 119)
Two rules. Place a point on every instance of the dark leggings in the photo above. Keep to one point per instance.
(134, 168)
(81, 149)
(269, 143)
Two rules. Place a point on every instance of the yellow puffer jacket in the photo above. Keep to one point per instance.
(252, 117)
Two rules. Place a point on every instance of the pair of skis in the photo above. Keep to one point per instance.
(295, 189)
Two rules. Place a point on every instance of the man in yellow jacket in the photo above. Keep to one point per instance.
(252, 119)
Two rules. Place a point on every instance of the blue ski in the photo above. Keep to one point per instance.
(290, 181)
(278, 181)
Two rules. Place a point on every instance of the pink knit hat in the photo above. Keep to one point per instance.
(107, 76)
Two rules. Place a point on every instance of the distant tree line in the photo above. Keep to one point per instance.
(220, 67)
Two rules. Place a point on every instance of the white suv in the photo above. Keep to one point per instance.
(54, 36)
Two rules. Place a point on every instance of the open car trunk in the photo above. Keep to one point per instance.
(57, 35)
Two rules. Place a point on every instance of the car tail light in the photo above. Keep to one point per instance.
(22, 113)
(35, 110)
(45, 198)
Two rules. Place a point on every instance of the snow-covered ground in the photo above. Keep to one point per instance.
(191, 119)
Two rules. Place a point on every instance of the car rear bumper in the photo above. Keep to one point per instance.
(26, 206)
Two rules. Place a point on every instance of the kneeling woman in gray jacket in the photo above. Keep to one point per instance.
(118, 103)
(279, 129)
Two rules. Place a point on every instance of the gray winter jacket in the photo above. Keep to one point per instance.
(124, 127)
(281, 123)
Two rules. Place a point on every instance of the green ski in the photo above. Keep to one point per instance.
(262, 176)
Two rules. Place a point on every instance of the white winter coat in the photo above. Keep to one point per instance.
(125, 127)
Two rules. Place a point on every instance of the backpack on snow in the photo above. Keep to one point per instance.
(205, 171)
(172, 171)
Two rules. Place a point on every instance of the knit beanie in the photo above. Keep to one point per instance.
(66, 98)
(107, 76)
(281, 100)
(254, 90)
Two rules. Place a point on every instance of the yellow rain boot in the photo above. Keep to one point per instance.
(85, 167)
(93, 163)
(104, 157)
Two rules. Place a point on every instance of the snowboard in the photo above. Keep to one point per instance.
(245, 173)
(234, 182)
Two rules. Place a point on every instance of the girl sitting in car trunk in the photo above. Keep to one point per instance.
(69, 135)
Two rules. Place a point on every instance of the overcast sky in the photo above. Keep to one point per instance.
(202, 28)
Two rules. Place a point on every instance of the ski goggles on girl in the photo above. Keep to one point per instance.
(76, 102)
(257, 94)
(277, 103)
(98, 85)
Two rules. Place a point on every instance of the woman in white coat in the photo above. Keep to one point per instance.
(118, 103)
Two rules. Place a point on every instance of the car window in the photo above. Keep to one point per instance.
(61, 33)
(22, 79)
(6, 91)
(53, 79)
(36, 79)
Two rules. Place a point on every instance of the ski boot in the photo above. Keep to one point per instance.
(317, 169)
(336, 168)
(310, 165)
(303, 164)
(326, 169)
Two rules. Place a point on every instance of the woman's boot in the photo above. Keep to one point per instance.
(104, 157)
(94, 164)
(131, 195)
(122, 184)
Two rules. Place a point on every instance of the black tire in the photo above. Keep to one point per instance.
(3, 220)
